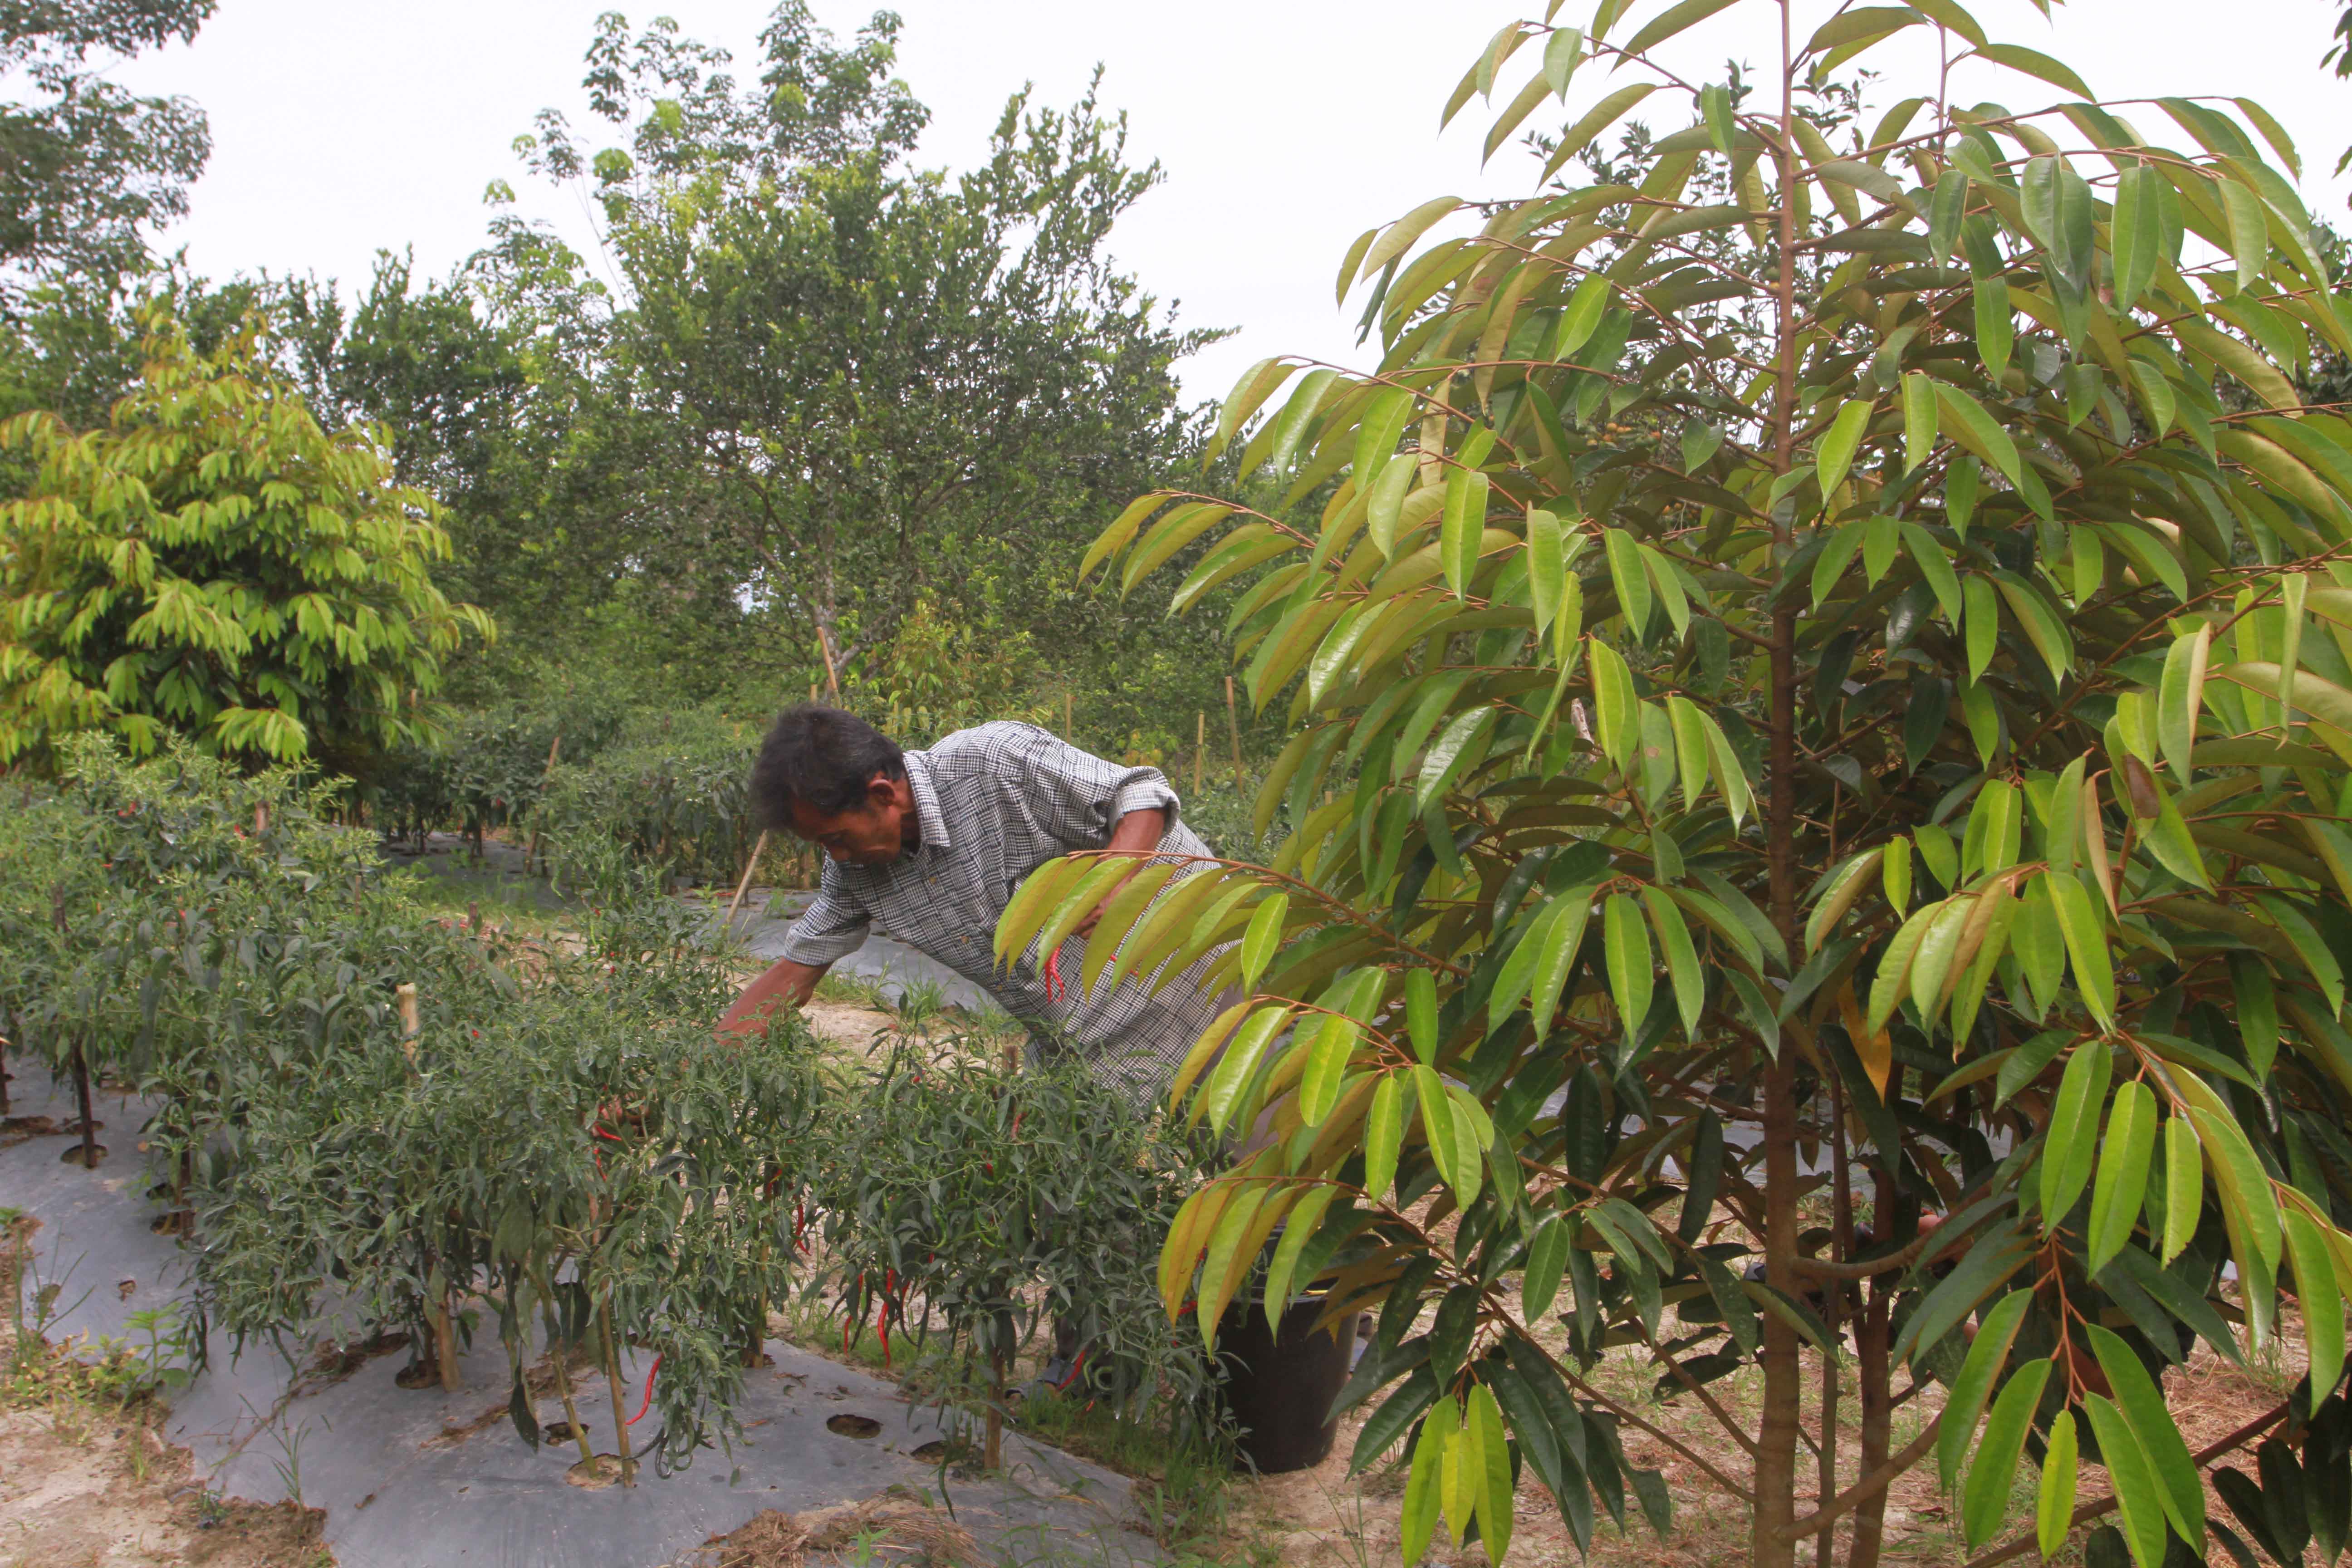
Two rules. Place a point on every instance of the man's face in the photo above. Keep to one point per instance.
(872, 833)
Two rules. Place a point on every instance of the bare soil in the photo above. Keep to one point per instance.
(87, 1480)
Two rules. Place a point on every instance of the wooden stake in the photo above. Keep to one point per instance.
(411, 1024)
(1068, 704)
(744, 885)
(1234, 723)
(445, 1343)
(1200, 745)
(831, 677)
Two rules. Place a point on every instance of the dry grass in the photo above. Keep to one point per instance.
(883, 1530)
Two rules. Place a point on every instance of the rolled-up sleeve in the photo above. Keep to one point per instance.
(1079, 797)
(832, 926)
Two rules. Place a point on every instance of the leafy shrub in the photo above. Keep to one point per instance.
(213, 563)
(1814, 647)
(489, 767)
(673, 787)
(999, 1198)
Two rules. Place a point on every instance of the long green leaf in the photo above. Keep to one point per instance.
(1984, 1502)
(1979, 1370)
(2071, 1140)
(2122, 1184)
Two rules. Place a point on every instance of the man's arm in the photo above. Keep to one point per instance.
(1139, 833)
(784, 989)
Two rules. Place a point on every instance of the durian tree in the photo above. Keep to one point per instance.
(1816, 801)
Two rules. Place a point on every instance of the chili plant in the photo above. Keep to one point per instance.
(996, 1199)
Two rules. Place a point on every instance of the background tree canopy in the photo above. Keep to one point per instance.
(810, 396)
(85, 167)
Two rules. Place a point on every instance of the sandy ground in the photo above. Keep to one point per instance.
(85, 1482)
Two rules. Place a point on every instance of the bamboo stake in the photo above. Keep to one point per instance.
(1200, 746)
(1068, 706)
(825, 644)
(745, 885)
(444, 1341)
(411, 1024)
(1234, 723)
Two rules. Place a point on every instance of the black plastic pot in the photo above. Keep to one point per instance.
(1279, 1388)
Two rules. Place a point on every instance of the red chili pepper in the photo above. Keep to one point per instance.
(648, 1404)
(1053, 986)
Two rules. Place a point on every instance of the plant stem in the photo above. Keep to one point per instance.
(1832, 1309)
(1776, 1453)
(88, 1121)
(1233, 726)
(1877, 1412)
(619, 1394)
(560, 1349)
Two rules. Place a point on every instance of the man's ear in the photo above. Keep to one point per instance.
(881, 790)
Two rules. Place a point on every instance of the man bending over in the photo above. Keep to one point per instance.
(934, 844)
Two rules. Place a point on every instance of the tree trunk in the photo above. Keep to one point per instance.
(1877, 1379)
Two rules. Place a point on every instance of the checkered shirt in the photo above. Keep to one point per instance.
(993, 804)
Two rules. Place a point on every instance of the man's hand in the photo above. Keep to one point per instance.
(786, 986)
(1139, 833)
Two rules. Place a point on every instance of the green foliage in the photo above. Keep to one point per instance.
(673, 788)
(1909, 520)
(996, 1198)
(849, 399)
(213, 562)
(86, 166)
(376, 1119)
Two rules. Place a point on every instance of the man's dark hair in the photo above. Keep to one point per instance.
(822, 756)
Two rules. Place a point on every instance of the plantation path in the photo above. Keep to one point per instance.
(413, 1479)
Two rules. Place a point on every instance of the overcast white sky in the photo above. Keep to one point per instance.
(1286, 127)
